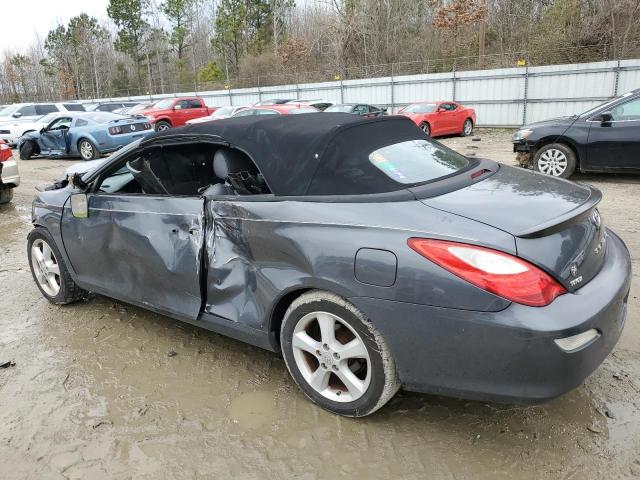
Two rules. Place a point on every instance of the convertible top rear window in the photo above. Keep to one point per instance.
(416, 161)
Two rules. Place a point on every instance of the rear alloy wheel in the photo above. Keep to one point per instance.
(162, 126)
(49, 271)
(556, 160)
(467, 128)
(424, 126)
(337, 357)
(87, 150)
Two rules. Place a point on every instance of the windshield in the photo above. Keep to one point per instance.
(610, 102)
(138, 108)
(339, 108)
(7, 111)
(164, 103)
(224, 111)
(420, 108)
(103, 117)
(48, 117)
(416, 161)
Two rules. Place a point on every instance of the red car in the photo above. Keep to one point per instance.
(441, 118)
(175, 112)
(284, 109)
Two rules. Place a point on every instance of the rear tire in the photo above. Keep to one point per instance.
(87, 150)
(336, 356)
(426, 128)
(49, 270)
(6, 195)
(555, 159)
(467, 128)
(27, 149)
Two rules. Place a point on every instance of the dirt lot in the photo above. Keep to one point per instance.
(95, 392)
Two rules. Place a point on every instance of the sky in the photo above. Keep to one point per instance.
(25, 18)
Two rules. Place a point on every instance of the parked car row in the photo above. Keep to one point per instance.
(603, 139)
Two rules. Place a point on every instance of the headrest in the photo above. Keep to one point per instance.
(227, 161)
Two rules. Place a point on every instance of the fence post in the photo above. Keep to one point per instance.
(453, 79)
(616, 79)
(526, 94)
(341, 90)
(230, 97)
(393, 96)
(259, 90)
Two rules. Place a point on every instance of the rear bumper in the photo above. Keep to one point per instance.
(9, 174)
(9, 139)
(507, 356)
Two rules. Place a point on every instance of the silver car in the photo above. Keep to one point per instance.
(9, 176)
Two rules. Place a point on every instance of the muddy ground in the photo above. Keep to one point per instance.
(95, 392)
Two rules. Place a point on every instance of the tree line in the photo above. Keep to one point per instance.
(160, 46)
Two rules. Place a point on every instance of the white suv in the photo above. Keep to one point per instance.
(16, 120)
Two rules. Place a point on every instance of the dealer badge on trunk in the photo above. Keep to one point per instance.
(574, 271)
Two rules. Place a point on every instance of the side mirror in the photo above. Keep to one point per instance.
(43, 129)
(605, 117)
(17, 115)
(79, 205)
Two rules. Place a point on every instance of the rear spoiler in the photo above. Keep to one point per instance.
(562, 221)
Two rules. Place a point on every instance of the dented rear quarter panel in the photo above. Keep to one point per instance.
(257, 252)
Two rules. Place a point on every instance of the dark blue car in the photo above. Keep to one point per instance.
(85, 134)
(370, 256)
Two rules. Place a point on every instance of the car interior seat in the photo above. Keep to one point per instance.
(228, 162)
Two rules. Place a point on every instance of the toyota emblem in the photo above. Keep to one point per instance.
(574, 270)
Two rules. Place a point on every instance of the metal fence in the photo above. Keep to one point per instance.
(505, 97)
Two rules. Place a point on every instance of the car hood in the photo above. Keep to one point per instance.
(553, 122)
(151, 111)
(84, 167)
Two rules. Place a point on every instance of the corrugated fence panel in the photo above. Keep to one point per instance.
(412, 88)
(501, 97)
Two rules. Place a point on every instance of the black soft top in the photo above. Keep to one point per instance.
(314, 153)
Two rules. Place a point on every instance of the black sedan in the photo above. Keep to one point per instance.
(368, 255)
(361, 109)
(603, 139)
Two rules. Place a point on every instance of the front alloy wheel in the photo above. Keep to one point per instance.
(556, 160)
(336, 356)
(424, 126)
(46, 270)
(49, 270)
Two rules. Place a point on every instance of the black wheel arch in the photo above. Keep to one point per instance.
(558, 139)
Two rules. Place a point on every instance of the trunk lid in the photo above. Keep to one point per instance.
(555, 222)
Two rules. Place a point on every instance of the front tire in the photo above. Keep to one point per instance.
(161, 126)
(555, 159)
(426, 128)
(27, 149)
(336, 356)
(87, 150)
(49, 270)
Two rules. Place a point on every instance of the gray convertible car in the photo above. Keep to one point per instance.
(368, 255)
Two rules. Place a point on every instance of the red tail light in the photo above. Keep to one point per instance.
(5, 152)
(496, 272)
